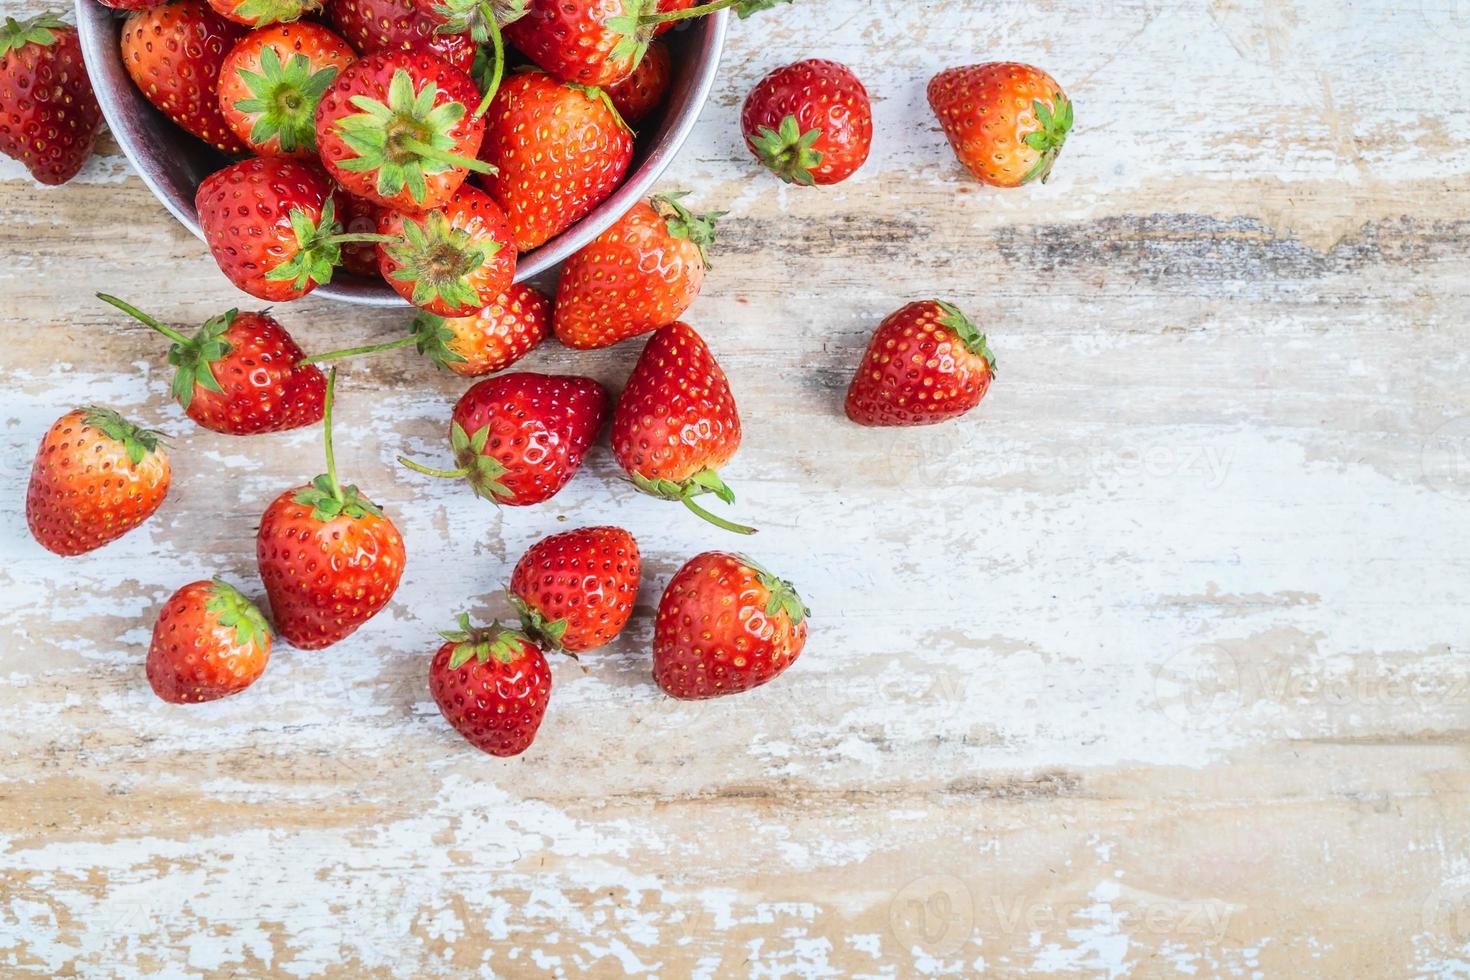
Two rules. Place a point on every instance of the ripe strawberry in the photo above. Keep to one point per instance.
(395, 128)
(271, 82)
(638, 95)
(209, 642)
(676, 424)
(519, 438)
(589, 42)
(372, 26)
(241, 373)
(328, 557)
(132, 4)
(488, 340)
(639, 275)
(809, 122)
(725, 625)
(50, 116)
(96, 477)
(926, 363)
(492, 686)
(271, 224)
(575, 590)
(544, 193)
(260, 13)
(1006, 121)
(452, 261)
(173, 54)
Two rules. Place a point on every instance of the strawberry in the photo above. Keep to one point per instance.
(488, 340)
(50, 116)
(372, 26)
(725, 625)
(209, 642)
(452, 261)
(260, 13)
(926, 363)
(1006, 121)
(241, 373)
(395, 128)
(492, 686)
(358, 217)
(639, 275)
(676, 424)
(544, 193)
(519, 438)
(271, 224)
(575, 590)
(132, 4)
(328, 557)
(809, 122)
(271, 82)
(96, 477)
(638, 95)
(174, 53)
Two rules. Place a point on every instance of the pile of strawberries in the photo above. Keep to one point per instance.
(359, 146)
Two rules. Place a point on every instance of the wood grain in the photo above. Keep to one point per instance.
(1153, 665)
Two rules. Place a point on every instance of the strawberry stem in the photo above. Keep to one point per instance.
(144, 318)
(430, 471)
(336, 487)
(497, 72)
(719, 522)
(337, 355)
(696, 11)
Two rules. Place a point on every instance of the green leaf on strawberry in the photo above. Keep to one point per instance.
(15, 35)
(438, 258)
(1056, 123)
(967, 332)
(685, 224)
(137, 442)
(432, 337)
(284, 99)
(235, 611)
(788, 152)
(481, 644)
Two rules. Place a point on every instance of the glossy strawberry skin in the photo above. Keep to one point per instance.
(821, 95)
(713, 635)
(85, 492)
(285, 12)
(543, 194)
(676, 415)
(541, 427)
(195, 657)
(587, 577)
(986, 112)
(372, 26)
(49, 117)
(370, 77)
(324, 579)
(916, 371)
(476, 214)
(173, 54)
(322, 50)
(571, 39)
(245, 213)
(496, 706)
(505, 331)
(637, 96)
(266, 387)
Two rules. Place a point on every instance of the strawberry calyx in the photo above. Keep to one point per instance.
(283, 99)
(781, 594)
(233, 610)
(326, 496)
(478, 18)
(482, 643)
(194, 357)
(1056, 123)
(703, 482)
(438, 259)
(137, 442)
(15, 34)
(259, 13)
(967, 332)
(318, 247)
(640, 18)
(787, 151)
(431, 337)
(405, 138)
(598, 95)
(547, 634)
(685, 224)
(482, 471)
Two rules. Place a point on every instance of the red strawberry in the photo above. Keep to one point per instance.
(676, 423)
(725, 625)
(132, 4)
(589, 42)
(639, 275)
(271, 224)
(259, 13)
(173, 54)
(372, 26)
(492, 686)
(519, 438)
(48, 115)
(544, 193)
(575, 590)
(241, 373)
(1006, 121)
(638, 95)
(96, 477)
(209, 642)
(396, 128)
(487, 340)
(809, 122)
(926, 363)
(328, 557)
(271, 82)
(452, 261)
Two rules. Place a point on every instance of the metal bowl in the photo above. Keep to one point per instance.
(172, 163)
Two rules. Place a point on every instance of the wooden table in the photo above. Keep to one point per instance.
(1154, 664)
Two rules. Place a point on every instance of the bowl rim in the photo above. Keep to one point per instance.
(99, 43)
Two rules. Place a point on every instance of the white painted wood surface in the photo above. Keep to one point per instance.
(1155, 664)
